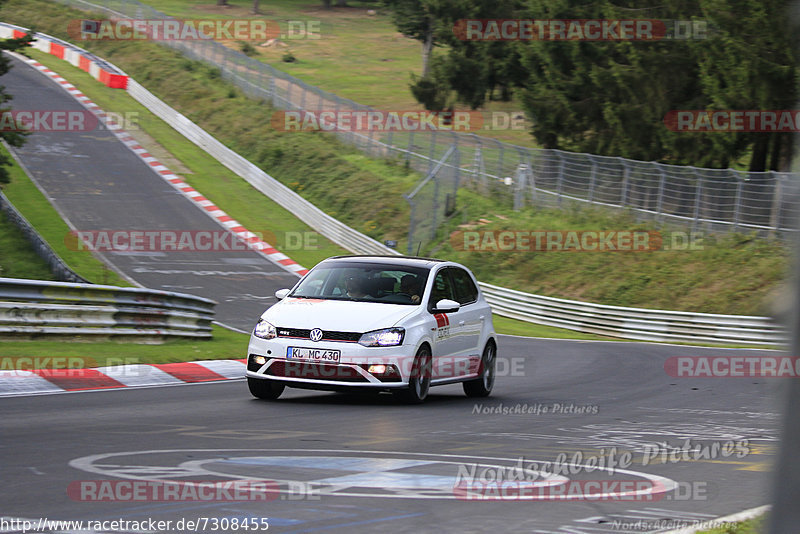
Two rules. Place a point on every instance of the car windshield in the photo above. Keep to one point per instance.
(364, 282)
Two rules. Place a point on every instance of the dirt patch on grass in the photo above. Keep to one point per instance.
(159, 152)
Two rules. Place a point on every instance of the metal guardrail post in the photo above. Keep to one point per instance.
(697, 198)
(531, 180)
(737, 200)
(520, 183)
(775, 212)
(501, 151)
(432, 155)
(560, 178)
(623, 194)
(411, 225)
(592, 178)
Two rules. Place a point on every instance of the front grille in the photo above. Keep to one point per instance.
(315, 371)
(327, 335)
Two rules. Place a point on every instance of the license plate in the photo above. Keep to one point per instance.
(312, 355)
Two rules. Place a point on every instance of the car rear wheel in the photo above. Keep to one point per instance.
(482, 386)
(264, 389)
(420, 381)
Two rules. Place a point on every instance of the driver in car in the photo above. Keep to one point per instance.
(355, 287)
(409, 285)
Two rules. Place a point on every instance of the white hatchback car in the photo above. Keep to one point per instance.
(391, 323)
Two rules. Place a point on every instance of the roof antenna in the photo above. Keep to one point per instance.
(419, 247)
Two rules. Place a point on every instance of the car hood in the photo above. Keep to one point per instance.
(338, 315)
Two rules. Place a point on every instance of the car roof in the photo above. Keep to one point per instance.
(391, 260)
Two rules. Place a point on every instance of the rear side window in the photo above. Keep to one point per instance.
(465, 289)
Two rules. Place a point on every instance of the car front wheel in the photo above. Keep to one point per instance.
(482, 386)
(264, 389)
(420, 381)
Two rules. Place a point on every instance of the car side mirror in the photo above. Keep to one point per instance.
(281, 293)
(446, 306)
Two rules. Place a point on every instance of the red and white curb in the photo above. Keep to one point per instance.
(226, 221)
(100, 71)
(44, 381)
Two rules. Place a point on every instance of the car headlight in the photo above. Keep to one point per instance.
(265, 330)
(388, 337)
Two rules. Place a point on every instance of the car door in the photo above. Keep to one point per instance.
(471, 316)
(451, 349)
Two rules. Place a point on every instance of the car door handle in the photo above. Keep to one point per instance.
(483, 317)
(461, 323)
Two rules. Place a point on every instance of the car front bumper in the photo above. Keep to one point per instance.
(352, 371)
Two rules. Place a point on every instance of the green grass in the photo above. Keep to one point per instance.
(513, 327)
(17, 258)
(731, 274)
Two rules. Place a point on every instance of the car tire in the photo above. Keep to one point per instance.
(264, 389)
(482, 386)
(420, 381)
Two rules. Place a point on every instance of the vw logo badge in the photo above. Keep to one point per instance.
(315, 334)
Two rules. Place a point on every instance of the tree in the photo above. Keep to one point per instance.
(750, 63)
(417, 19)
(612, 97)
(13, 138)
(468, 71)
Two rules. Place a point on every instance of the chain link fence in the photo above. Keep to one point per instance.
(718, 200)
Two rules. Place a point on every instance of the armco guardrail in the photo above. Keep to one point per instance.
(634, 323)
(32, 308)
(626, 323)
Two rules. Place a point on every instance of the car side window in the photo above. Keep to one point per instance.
(442, 288)
(465, 289)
